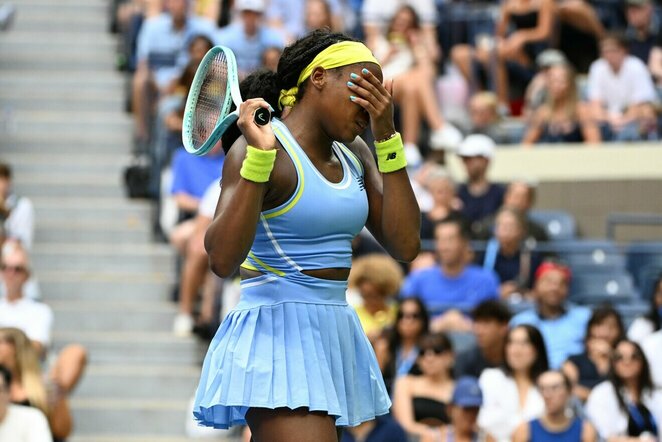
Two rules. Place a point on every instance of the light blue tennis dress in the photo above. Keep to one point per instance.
(292, 340)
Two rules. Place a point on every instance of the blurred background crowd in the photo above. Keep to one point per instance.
(513, 323)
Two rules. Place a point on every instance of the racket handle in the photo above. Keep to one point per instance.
(262, 116)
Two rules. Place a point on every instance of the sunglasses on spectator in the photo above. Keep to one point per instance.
(437, 350)
(16, 269)
(409, 315)
(627, 358)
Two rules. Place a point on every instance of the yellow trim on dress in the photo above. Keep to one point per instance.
(265, 266)
(248, 266)
(297, 164)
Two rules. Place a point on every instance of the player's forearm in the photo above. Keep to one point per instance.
(401, 217)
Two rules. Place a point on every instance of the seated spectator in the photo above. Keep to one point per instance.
(195, 270)
(510, 396)
(19, 423)
(655, 61)
(35, 320)
(484, 118)
(561, 118)
(509, 255)
(453, 286)
(397, 348)
(463, 412)
(563, 325)
(555, 423)
(377, 278)
(441, 188)
(16, 212)
(480, 198)
(643, 326)
(490, 327)
(627, 406)
(28, 387)
(161, 57)
(537, 90)
(406, 57)
(377, 14)
(191, 176)
(419, 401)
(295, 18)
(651, 347)
(532, 25)
(643, 28)
(520, 195)
(248, 35)
(621, 93)
(271, 57)
(588, 369)
(381, 429)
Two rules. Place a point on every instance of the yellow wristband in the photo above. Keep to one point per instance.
(391, 154)
(258, 164)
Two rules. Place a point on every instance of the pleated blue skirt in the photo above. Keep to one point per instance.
(290, 342)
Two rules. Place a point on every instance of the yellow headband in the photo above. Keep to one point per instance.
(336, 55)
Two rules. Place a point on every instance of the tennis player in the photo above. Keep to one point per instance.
(291, 359)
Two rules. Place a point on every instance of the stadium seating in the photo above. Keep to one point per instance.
(560, 225)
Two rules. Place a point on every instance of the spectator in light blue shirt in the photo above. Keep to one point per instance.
(161, 56)
(248, 36)
(562, 325)
(454, 287)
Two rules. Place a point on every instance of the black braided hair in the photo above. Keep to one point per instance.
(267, 84)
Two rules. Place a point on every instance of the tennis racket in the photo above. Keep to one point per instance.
(213, 102)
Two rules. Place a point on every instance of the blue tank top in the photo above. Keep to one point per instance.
(315, 227)
(571, 434)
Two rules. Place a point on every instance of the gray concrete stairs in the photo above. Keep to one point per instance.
(64, 131)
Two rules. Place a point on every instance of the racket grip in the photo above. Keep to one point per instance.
(262, 116)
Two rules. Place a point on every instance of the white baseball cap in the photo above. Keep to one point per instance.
(250, 5)
(477, 145)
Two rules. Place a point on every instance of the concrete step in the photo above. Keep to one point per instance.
(133, 417)
(69, 79)
(79, 209)
(15, 60)
(92, 231)
(103, 257)
(56, 190)
(112, 315)
(59, 40)
(138, 382)
(120, 287)
(68, 143)
(134, 347)
(24, 163)
(61, 100)
(82, 22)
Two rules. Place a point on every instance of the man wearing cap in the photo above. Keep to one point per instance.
(562, 325)
(463, 411)
(643, 28)
(480, 198)
(248, 36)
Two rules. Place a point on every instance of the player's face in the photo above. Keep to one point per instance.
(347, 118)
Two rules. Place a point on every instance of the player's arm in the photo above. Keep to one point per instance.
(231, 233)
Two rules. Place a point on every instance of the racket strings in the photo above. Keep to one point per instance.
(212, 99)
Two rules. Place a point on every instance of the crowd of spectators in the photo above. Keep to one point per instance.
(36, 380)
(478, 336)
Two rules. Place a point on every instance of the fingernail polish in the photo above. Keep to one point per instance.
(353, 76)
(350, 84)
(365, 71)
(352, 97)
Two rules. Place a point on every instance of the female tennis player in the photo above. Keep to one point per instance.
(291, 359)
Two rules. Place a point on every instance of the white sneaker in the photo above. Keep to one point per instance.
(183, 325)
(413, 156)
(448, 137)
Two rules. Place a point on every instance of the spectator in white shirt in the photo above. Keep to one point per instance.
(510, 396)
(627, 406)
(643, 326)
(19, 423)
(16, 212)
(621, 93)
(651, 347)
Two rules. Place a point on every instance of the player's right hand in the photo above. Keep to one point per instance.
(261, 137)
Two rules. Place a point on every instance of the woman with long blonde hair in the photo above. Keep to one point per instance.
(28, 387)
